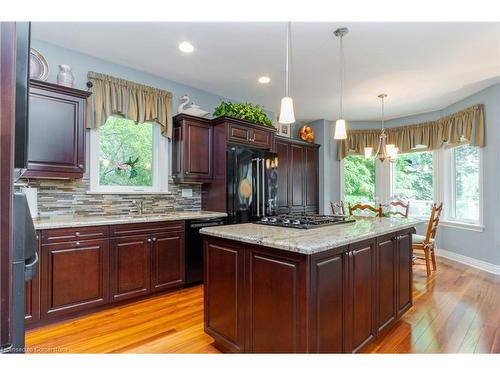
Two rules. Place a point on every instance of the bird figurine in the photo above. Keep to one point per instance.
(192, 109)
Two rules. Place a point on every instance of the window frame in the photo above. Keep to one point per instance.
(449, 192)
(159, 165)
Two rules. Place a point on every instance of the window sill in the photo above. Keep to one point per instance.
(460, 225)
(96, 192)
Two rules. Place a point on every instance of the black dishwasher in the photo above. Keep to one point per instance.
(194, 248)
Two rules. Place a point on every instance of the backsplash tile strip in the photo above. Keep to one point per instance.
(69, 197)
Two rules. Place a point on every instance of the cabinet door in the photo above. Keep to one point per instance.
(311, 179)
(262, 138)
(167, 261)
(32, 293)
(404, 273)
(130, 267)
(198, 152)
(224, 294)
(238, 133)
(361, 308)
(74, 276)
(57, 133)
(296, 186)
(387, 286)
(283, 151)
(327, 304)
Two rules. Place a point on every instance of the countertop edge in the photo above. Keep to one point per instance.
(110, 220)
(307, 251)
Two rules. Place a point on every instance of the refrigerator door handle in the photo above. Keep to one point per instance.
(263, 188)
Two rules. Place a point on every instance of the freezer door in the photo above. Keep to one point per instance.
(270, 186)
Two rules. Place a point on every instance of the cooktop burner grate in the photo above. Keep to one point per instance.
(302, 221)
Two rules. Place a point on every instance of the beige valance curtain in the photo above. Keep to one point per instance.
(140, 103)
(464, 127)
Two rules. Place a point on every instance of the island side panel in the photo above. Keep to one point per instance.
(224, 300)
(387, 265)
(404, 271)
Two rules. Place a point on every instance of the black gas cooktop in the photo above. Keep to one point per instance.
(301, 221)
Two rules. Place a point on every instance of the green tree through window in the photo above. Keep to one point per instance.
(359, 179)
(126, 153)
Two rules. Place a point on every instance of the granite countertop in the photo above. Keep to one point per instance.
(310, 241)
(64, 221)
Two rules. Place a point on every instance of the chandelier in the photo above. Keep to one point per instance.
(384, 151)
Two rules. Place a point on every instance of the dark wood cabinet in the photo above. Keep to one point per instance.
(56, 131)
(298, 176)
(167, 255)
(88, 268)
(74, 276)
(239, 131)
(192, 149)
(361, 307)
(262, 300)
(224, 308)
(130, 267)
(387, 263)
(32, 292)
(404, 273)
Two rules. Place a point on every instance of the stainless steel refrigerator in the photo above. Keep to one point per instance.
(252, 178)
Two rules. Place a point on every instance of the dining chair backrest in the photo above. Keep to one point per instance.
(337, 208)
(394, 208)
(364, 208)
(430, 235)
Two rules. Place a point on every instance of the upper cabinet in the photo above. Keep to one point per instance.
(56, 131)
(297, 176)
(192, 149)
(240, 131)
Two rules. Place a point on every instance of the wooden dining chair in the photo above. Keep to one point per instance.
(394, 208)
(338, 208)
(426, 244)
(364, 207)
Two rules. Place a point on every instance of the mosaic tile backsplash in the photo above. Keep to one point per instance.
(69, 197)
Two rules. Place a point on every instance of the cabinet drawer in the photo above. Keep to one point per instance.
(146, 228)
(73, 234)
(238, 133)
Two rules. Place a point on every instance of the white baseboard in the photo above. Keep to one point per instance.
(476, 263)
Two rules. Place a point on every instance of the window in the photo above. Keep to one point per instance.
(465, 184)
(413, 181)
(126, 157)
(359, 179)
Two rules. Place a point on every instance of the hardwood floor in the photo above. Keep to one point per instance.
(457, 309)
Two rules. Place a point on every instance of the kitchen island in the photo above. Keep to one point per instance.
(332, 289)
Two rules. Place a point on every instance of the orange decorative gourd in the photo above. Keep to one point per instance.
(306, 134)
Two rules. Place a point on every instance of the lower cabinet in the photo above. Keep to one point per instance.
(130, 267)
(361, 286)
(260, 300)
(167, 261)
(74, 276)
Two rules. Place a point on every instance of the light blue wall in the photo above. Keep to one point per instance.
(82, 63)
(484, 245)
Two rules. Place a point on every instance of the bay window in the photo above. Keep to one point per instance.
(359, 179)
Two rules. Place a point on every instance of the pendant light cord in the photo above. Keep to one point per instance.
(287, 75)
(341, 72)
(383, 112)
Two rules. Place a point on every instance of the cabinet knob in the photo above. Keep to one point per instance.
(77, 243)
(154, 239)
(80, 165)
(77, 234)
(149, 239)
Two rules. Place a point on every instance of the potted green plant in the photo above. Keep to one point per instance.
(243, 111)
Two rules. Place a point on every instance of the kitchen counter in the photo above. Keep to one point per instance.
(311, 241)
(63, 221)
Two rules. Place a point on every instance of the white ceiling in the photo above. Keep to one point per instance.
(421, 66)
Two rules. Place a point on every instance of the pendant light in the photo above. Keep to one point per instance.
(384, 150)
(287, 115)
(340, 126)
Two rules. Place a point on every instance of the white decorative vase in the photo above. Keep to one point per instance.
(65, 76)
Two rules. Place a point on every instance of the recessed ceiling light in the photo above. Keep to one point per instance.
(186, 47)
(264, 79)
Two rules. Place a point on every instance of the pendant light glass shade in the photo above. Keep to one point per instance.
(287, 115)
(340, 130)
